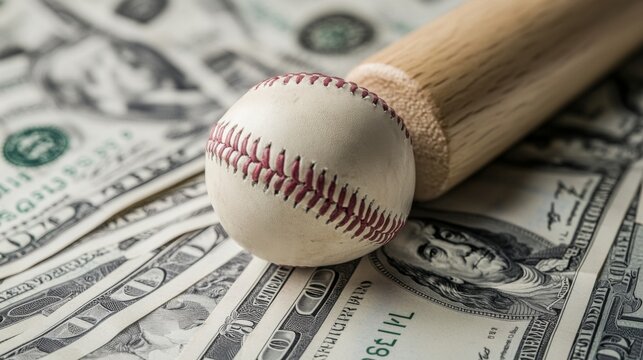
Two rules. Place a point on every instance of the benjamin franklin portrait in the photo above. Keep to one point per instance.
(477, 269)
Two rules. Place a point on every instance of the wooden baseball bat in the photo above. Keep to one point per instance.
(476, 80)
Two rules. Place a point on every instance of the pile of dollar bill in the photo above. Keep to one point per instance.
(110, 249)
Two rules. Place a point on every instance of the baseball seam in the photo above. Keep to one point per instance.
(339, 83)
(349, 213)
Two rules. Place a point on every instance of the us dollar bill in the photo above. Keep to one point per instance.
(162, 333)
(46, 287)
(333, 36)
(140, 220)
(159, 208)
(448, 275)
(212, 23)
(120, 299)
(612, 325)
(82, 142)
(259, 290)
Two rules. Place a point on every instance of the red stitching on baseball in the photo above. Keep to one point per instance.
(348, 213)
(339, 83)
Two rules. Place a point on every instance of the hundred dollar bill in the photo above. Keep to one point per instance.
(46, 287)
(612, 325)
(189, 195)
(450, 274)
(108, 309)
(259, 290)
(91, 123)
(225, 55)
(189, 198)
(162, 333)
(211, 22)
(333, 36)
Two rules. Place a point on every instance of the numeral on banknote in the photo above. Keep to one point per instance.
(392, 328)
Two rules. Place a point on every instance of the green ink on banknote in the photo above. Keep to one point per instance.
(13, 182)
(35, 146)
(336, 34)
(392, 328)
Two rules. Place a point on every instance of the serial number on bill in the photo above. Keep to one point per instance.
(390, 330)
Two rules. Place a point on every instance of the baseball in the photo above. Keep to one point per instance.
(310, 170)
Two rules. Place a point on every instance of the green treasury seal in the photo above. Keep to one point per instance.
(335, 34)
(35, 146)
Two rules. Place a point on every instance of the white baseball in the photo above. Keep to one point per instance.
(310, 170)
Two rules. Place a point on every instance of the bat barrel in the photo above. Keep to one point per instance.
(473, 82)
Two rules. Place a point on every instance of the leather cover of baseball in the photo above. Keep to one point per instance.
(310, 170)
